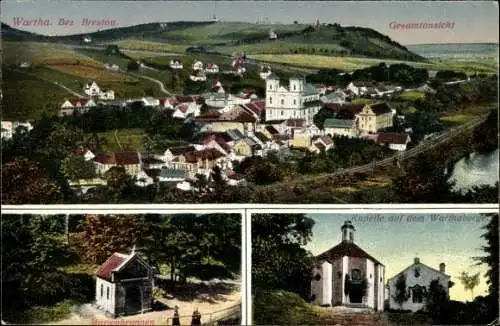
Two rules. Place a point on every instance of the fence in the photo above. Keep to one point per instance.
(209, 318)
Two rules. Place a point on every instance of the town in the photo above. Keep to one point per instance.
(294, 115)
(173, 126)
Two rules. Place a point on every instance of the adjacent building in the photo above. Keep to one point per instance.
(417, 279)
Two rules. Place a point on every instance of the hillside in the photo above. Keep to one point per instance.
(228, 37)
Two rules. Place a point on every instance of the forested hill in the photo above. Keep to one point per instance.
(324, 39)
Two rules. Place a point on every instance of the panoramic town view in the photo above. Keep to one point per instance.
(175, 269)
(375, 269)
(249, 102)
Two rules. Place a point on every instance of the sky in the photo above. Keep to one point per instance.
(395, 244)
(471, 21)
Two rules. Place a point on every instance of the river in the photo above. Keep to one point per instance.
(475, 170)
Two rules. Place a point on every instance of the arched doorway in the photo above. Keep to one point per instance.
(133, 299)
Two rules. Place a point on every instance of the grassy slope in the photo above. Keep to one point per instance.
(28, 97)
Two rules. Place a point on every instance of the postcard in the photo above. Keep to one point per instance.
(249, 102)
(142, 269)
(375, 269)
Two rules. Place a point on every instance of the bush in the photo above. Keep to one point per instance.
(282, 308)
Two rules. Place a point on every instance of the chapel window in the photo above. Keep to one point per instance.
(107, 293)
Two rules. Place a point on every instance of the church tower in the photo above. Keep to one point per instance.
(297, 84)
(348, 232)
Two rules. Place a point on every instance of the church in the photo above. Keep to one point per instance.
(347, 275)
(295, 100)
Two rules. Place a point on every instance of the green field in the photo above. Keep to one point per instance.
(124, 139)
(410, 96)
(27, 97)
(136, 44)
(351, 63)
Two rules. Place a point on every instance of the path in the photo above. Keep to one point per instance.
(159, 83)
(87, 314)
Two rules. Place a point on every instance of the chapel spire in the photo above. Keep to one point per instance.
(347, 232)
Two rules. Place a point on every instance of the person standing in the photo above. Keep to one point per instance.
(196, 320)
(176, 320)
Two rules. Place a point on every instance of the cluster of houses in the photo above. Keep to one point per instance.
(346, 275)
(236, 126)
(9, 128)
(199, 70)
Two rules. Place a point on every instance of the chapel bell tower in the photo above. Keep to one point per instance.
(347, 232)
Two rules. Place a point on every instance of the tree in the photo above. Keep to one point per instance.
(205, 246)
(491, 260)
(23, 182)
(31, 256)
(469, 282)
(437, 301)
(424, 180)
(105, 234)
(75, 167)
(401, 294)
(278, 259)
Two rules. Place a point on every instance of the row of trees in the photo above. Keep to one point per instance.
(402, 74)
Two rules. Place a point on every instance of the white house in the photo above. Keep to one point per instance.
(92, 89)
(353, 88)
(111, 67)
(397, 141)
(197, 65)
(198, 75)
(340, 127)
(212, 68)
(146, 101)
(297, 100)
(124, 285)
(334, 97)
(107, 95)
(80, 104)
(265, 71)
(273, 35)
(417, 278)
(323, 143)
(176, 64)
(347, 275)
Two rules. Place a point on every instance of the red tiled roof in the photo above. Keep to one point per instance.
(105, 159)
(218, 139)
(392, 138)
(82, 101)
(182, 107)
(345, 249)
(205, 154)
(185, 99)
(127, 158)
(181, 150)
(109, 265)
(256, 107)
